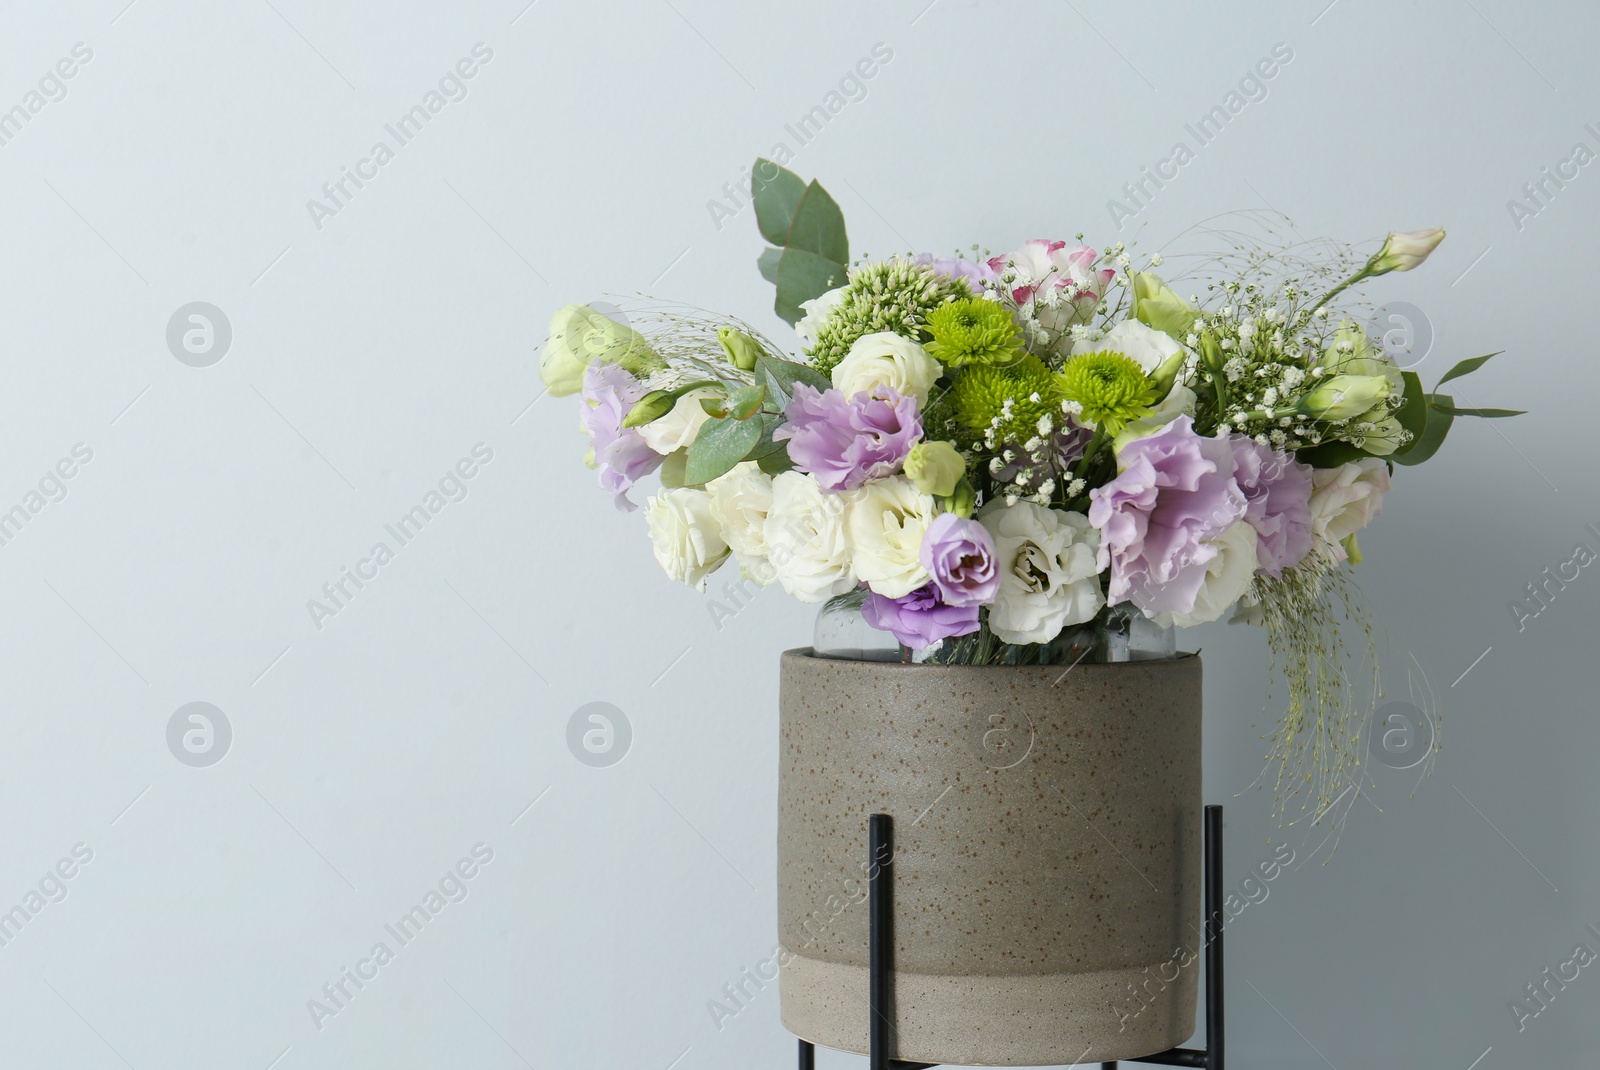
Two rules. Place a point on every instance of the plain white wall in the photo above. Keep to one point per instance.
(372, 352)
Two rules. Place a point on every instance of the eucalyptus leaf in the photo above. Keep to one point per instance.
(777, 193)
(781, 375)
(775, 463)
(1440, 415)
(767, 262)
(745, 402)
(672, 466)
(819, 226)
(1466, 367)
(719, 446)
(802, 276)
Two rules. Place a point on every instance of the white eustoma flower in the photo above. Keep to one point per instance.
(1345, 499)
(1228, 576)
(1144, 345)
(886, 520)
(1048, 578)
(687, 539)
(887, 359)
(741, 500)
(679, 427)
(817, 310)
(805, 536)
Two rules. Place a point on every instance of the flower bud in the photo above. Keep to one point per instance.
(650, 408)
(1157, 305)
(935, 468)
(1345, 396)
(1405, 250)
(580, 335)
(741, 349)
(962, 501)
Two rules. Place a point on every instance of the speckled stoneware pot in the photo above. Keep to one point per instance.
(1047, 866)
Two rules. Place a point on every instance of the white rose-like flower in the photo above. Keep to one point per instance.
(805, 536)
(1228, 576)
(687, 539)
(817, 310)
(678, 428)
(1146, 345)
(886, 520)
(1345, 499)
(741, 500)
(1048, 578)
(887, 359)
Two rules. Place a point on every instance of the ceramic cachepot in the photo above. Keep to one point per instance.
(1047, 867)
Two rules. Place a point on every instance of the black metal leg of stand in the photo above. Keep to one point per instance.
(880, 944)
(1209, 1058)
(1215, 917)
(880, 937)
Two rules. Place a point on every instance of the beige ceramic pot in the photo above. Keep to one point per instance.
(1047, 866)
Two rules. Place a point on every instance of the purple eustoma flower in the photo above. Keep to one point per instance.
(920, 618)
(843, 442)
(1277, 493)
(1159, 516)
(959, 555)
(621, 455)
(978, 273)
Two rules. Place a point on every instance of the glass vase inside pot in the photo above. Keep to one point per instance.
(1117, 633)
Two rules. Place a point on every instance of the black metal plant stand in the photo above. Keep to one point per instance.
(880, 920)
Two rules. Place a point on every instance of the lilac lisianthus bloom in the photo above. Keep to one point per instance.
(844, 442)
(1161, 517)
(920, 618)
(978, 273)
(959, 554)
(621, 455)
(1277, 493)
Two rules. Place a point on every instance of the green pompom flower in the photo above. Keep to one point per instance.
(887, 295)
(1016, 402)
(973, 331)
(1111, 387)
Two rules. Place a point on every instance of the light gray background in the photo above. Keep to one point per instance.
(371, 354)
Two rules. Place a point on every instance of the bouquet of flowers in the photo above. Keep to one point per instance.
(1004, 458)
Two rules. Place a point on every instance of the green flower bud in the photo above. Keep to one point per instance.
(742, 350)
(962, 501)
(1167, 373)
(935, 468)
(1345, 396)
(580, 335)
(1158, 305)
(650, 408)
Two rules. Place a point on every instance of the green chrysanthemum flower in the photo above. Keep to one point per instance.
(1017, 402)
(1111, 387)
(887, 295)
(973, 331)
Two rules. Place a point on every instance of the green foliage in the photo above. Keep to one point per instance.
(807, 229)
(719, 446)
